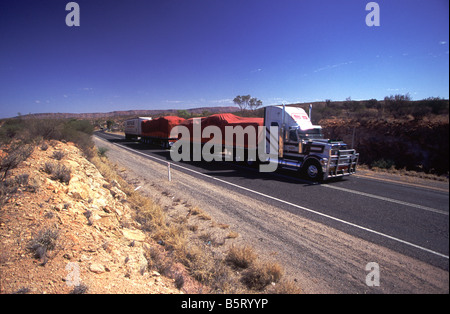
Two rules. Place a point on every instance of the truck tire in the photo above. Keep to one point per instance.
(312, 170)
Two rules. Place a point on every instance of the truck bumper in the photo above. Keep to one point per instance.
(340, 165)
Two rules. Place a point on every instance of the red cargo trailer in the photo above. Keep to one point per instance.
(157, 131)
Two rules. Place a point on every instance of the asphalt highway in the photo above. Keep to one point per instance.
(407, 218)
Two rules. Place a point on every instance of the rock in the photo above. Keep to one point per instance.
(118, 194)
(97, 268)
(100, 202)
(155, 273)
(115, 184)
(133, 235)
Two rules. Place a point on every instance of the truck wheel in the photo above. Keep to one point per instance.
(312, 170)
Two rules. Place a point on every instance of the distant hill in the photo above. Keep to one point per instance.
(121, 113)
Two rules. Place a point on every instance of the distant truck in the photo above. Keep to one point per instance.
(157, 131)
(133, 127)
(152, 131)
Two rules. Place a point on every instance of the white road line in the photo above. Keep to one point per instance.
(294, 205)
(387, 199)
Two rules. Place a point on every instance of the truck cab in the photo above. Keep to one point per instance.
(302, 145)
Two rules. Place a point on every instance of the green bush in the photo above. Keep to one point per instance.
(102, 151)
(33, 131)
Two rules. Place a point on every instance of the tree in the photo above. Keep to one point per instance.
(398, 105)
(183, 114)
(109, 124)
(247, 101)
(241, 102)
(254, 103)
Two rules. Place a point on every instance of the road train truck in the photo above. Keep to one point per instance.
(299, 145)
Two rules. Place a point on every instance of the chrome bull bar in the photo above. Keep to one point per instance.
(342, 164)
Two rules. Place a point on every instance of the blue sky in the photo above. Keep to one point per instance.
(164, 54)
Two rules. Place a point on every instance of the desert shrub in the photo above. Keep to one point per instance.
(101, 151)
(83, 126)
(10, 129)
(7, 187)
(11, 186)
(58, 155)
(22, 179)
(46, 129)
(179, 280)
(16, 154)
(79, 289)
(35, 130)
(158, 260)
(79, 132)
(45, 241)
(58, 172)
(222, 278)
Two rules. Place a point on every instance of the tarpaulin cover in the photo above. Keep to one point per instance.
(221, 121)
(160, 127)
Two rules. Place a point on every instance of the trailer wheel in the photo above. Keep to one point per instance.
(312, 170)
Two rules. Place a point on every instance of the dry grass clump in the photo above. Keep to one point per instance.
(257, 275)
(210, 271)
(199, 213)
(232, 235)
(260, 275)
(241, 257)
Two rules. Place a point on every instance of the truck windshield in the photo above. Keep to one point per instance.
(310, 134)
